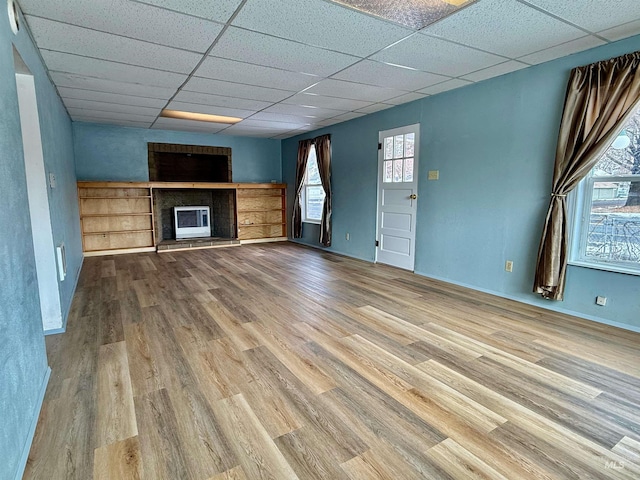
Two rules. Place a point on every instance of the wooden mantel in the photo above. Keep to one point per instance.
(118, 217)
(202, 185)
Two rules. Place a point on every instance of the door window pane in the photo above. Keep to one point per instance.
(388, 148)
(398, 146)
(388, 171)
(397, 170)
(409, 141)
(408, 169)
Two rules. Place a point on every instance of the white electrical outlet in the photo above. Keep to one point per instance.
(602, 301)
(348, 236)
(508, 266)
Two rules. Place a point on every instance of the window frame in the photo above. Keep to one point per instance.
(579, 207)
(306, 185)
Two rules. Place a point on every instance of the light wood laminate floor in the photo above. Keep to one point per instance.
(278, 361)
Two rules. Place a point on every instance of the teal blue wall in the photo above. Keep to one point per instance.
(494, 145)
(23, 361)
(112, 153)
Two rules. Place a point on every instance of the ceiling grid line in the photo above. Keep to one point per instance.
(294, 65)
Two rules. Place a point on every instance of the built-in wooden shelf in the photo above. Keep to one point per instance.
(118, 217)
(122, 214)
(261, 213)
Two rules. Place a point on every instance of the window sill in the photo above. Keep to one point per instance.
(315, 222)
(605, 267)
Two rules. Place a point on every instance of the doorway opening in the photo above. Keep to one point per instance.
(37, 192)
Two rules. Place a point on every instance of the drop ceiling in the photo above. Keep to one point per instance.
(290, 66)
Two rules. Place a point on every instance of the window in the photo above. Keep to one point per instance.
(607, 207)
(312, 193)
(398, 158)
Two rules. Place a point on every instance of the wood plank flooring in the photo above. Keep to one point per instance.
(279, 361)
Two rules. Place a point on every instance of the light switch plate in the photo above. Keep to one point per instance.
(434, 174)
(52, 180)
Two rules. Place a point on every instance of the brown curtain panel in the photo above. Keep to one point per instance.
(323, 154)
(304, 146)
(600, 99)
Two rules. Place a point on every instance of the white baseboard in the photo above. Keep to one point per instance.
(65, 317)
(324, 249)
(551, 306)
(32, 428)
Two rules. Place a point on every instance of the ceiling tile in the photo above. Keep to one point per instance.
(130, 19)
(93, 67)
(376, 107)
(119, 122)
(436, 56)
(495, 71)
(109, 86)
(445, 86)
(209, 109)
(328, 122)
(281, 117)
(322, 24)
(254, 131)
(218, 10)
(188, 125)
(353, 91)
(348, 116)
(220, 101)
(326, 102)
(271, 124)
(621, 31)
(568, 48)
(74, 93)
(303, 110)
(76, 104)
(383, 75)
(250, 74)
(406, 98)
(90, 43)
(228, 89)
(290, 134)
(110, 115)
(503, 27)
(593, 15)
(251, 47)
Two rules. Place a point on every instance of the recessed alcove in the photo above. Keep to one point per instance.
(170, 162)
(220, 201)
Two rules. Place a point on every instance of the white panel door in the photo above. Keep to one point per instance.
(397, 196)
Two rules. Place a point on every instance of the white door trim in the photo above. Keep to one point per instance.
(37, 192)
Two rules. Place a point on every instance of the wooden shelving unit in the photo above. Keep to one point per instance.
(261, 214)
(115, 219)
(118, 217)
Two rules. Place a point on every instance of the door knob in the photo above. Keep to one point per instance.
(413, 196)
